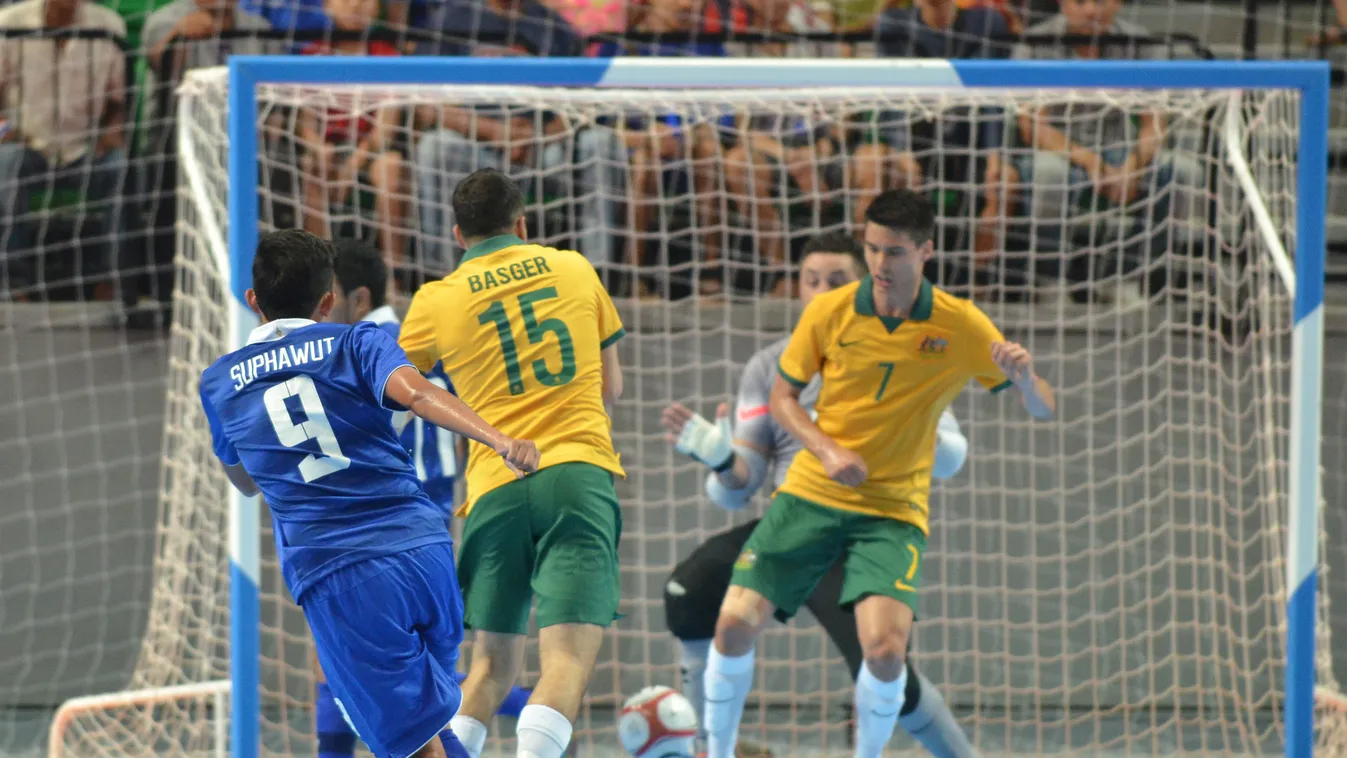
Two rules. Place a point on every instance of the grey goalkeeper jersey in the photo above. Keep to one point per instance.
(753, 421)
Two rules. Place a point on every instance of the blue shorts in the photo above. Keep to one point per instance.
(387, 632)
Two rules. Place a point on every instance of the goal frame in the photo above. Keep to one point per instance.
(1309, 78)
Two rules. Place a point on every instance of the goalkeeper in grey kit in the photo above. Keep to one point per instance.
(742, 459)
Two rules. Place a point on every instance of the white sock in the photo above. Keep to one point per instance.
(692, 666)
(470, 732)
(542, 732)
(728, 681)
(877, 706)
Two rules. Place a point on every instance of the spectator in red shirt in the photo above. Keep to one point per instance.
(349, 150)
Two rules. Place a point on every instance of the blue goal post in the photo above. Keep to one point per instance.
(1309, 78)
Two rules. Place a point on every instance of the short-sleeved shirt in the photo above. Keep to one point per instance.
(519, 329)
(886, 382)
(1094, 125)
(60, 93)
(302, 408)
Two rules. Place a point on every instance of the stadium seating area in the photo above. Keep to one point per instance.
(717, 206)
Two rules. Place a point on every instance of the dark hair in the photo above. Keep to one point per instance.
(904, 211)
(839, 243)
(359, 265)
(486, 204)
(291, 272)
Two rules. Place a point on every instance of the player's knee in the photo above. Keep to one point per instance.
(884, 653)
(497, 657)
(735, 634)
(742, 617)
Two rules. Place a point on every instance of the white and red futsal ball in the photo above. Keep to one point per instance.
(658, 722)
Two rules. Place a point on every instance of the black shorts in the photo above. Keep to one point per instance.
(698, 584)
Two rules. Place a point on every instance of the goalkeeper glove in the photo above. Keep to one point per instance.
(708, 443)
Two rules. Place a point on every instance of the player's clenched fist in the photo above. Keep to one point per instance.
(844, 466)
(521, 456)
(1013, 360)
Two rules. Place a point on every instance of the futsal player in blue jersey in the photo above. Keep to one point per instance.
(358, 288)
(301, 415)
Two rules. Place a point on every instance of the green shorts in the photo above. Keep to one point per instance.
(797, 541)
(553, 534)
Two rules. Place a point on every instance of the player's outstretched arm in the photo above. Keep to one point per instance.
(738, 466)
(1018, 366)
(843, 466)
(410, 389)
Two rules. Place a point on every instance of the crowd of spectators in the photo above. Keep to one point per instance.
(87, 156)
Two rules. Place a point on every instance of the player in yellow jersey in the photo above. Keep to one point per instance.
(527, 335)
(893, 351)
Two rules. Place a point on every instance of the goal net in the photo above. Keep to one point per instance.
(1109, 583)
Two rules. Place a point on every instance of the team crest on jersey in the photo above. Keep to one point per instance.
(932, 347)
(746, 560)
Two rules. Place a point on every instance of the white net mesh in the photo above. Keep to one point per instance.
(1111, 583)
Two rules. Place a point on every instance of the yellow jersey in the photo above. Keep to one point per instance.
(885, 383)
(518, 329)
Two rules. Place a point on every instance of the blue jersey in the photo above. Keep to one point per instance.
(302, 408)
(431, 447)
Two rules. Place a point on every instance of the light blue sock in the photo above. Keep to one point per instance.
(931, 723)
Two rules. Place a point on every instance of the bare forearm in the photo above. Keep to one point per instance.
(1038, 398)
(1148, 141)
(175, 66)
(480, 128)
(1047, 137)
(611, 374)
(448, 412)
(788, 412)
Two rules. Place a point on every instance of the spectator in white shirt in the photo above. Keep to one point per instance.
(64, 105)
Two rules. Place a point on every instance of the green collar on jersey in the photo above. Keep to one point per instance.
(921, 309)
(491, 245)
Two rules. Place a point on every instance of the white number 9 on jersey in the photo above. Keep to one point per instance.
(315, 427)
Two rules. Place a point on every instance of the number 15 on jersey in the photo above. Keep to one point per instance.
(537, 332)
